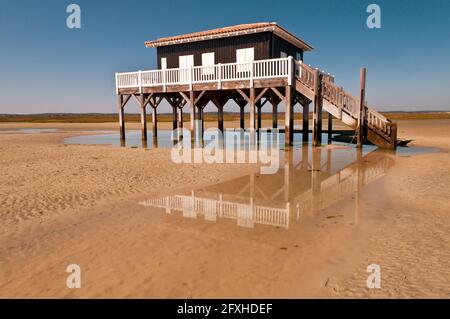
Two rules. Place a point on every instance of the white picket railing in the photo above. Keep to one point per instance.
(218, 73)
(246, 214)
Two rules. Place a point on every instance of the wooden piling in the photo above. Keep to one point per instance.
(362, 93)
(305, 127)
(274, 114)
(155, 123)
(143, 117)
(220, 118)
(174, 117)
(121, 116)
(317, 110)
(289, 118)
(180, 117)
(192, 114)
(330, 128)
(242, 117)
(252, 110)
(258, 110)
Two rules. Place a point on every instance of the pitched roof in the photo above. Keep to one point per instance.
(231, 31)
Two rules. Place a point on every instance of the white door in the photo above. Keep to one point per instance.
(163, 63)
(185, 62)
(208, 63)
(244, 56)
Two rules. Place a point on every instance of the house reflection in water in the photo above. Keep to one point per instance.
(309, 180)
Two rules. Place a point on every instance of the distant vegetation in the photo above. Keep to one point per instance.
(166, 117)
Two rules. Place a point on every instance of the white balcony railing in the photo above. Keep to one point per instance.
(218, 73)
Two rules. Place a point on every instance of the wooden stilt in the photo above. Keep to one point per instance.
(143, 117)
(305, 128)
(252, 110)
(174, 118)
(180, 117)
(274, 113)
(155, 123)
(317, 111)
(330, 127)
(192, 114)
(220, 118)
(362, 91)
(242, 117)
(201, 124)
(121, 116)
(258, 109)
(289, 119)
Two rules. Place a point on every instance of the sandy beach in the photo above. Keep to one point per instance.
(79, 204)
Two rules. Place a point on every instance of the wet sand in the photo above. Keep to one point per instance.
(79, 204)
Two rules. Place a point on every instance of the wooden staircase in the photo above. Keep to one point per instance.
(311, 83)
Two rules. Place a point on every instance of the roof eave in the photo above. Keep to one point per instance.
(276, 29)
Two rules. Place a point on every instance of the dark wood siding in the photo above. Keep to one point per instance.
(280, 45)
(267, 46)
(224, 49)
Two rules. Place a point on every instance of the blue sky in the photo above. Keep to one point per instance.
(46, 67)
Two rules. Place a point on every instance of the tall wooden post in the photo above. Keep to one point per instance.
(180, 117)
(121, 116)
(274, 114)
(258, 110)
(305, 127)
(330, 127)
(362, 93)
(317, 111)
(174, 117)
(203, 120)
(143, 117)
(192, 114)
(200, 122)
(220, 118)
(288, 117)
(242, 117)
(252, 110)
(155, 122)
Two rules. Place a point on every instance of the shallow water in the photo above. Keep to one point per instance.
(164, 139)
(309, 180)
(30, 130)
(306, 179)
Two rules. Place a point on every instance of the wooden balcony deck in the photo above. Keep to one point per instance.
(257, 74)
(274, 80)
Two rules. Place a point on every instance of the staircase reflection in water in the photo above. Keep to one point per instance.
(309, 180)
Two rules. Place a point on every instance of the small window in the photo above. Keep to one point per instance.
(299, 56)
(163, 63)
(283, 54)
